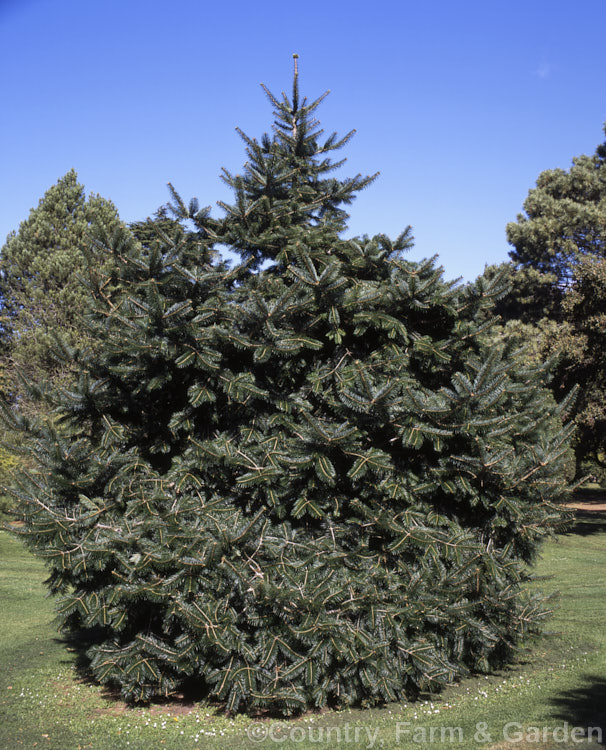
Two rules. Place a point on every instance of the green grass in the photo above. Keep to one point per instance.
(559, 678)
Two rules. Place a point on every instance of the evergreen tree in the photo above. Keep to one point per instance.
(564, 220)
(40, 266)
(581, 340)
(556, 300)
(42, 295)
(301, 481)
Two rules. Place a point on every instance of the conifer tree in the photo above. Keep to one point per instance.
(301, 481)
(40, 266)
(556, 300)
(564, 221)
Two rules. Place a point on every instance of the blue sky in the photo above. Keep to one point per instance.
(458, 105)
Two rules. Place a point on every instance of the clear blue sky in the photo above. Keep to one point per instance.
(458, 105)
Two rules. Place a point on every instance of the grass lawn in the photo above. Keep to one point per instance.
(558, 684)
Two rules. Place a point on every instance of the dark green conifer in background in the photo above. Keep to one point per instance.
(301, 481)
(556, 301)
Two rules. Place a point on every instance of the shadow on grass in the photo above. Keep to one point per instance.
(590, 494)
(588, 522)
(77, 643)
(584, 707)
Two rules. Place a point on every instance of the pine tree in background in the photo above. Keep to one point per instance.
(556, 301)
(301, 481)
(42, 295)
(40, 266)
(564, 221)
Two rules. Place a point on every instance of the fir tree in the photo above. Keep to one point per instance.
(301, 481)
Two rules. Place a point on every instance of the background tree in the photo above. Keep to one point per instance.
(40, 270)
(8, 460)
(564, 220)
(300, 482)
(582, 344)
(42, 296)
(556, 302)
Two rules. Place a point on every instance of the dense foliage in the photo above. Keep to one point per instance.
(557, 297)
(300, 481)
(40, 290)
(564, 220)
(41, 296)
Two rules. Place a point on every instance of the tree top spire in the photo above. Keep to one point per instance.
(295, 90)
